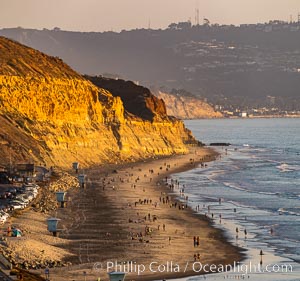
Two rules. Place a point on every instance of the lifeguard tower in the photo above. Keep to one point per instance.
(52, 225)
(75, 166)
(116, 276)
(82, 180)
(60, 197)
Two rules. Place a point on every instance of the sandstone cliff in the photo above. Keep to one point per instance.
(137, 100)
(52, 115)
(184, 106)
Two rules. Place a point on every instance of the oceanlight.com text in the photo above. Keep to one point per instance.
(196, 267)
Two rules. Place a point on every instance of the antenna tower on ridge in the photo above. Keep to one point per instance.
(197, 18)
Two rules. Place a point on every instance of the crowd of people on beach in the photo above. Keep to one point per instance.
(144, 235)
(145, 223)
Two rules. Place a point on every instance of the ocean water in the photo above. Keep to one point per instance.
(258, 182)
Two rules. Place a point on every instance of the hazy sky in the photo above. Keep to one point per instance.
(102, 15)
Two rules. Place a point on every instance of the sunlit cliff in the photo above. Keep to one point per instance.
(187, 106)
(51, 115)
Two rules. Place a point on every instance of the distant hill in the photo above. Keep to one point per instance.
(50, 114)
(239, 66)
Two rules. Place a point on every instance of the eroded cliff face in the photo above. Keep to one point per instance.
(50, 114)
(187, 107)
(137, 100)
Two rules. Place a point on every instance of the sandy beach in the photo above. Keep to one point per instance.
(127, 219)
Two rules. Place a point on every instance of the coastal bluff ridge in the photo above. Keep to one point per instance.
(52, 115)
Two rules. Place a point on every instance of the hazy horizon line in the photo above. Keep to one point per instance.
(57, 28)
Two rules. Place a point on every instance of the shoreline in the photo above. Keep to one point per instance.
(96, 232)
(248, 117)
(126, 250)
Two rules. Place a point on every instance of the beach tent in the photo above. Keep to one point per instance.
(16, 232)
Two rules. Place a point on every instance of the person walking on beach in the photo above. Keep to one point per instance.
(261, 256)
(237, 232)
(169, 240)
(164, 227)
(198, 241)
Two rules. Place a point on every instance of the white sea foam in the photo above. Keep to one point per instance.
(283, 167)
(267, 162)
(268, 193)
(287, 212)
